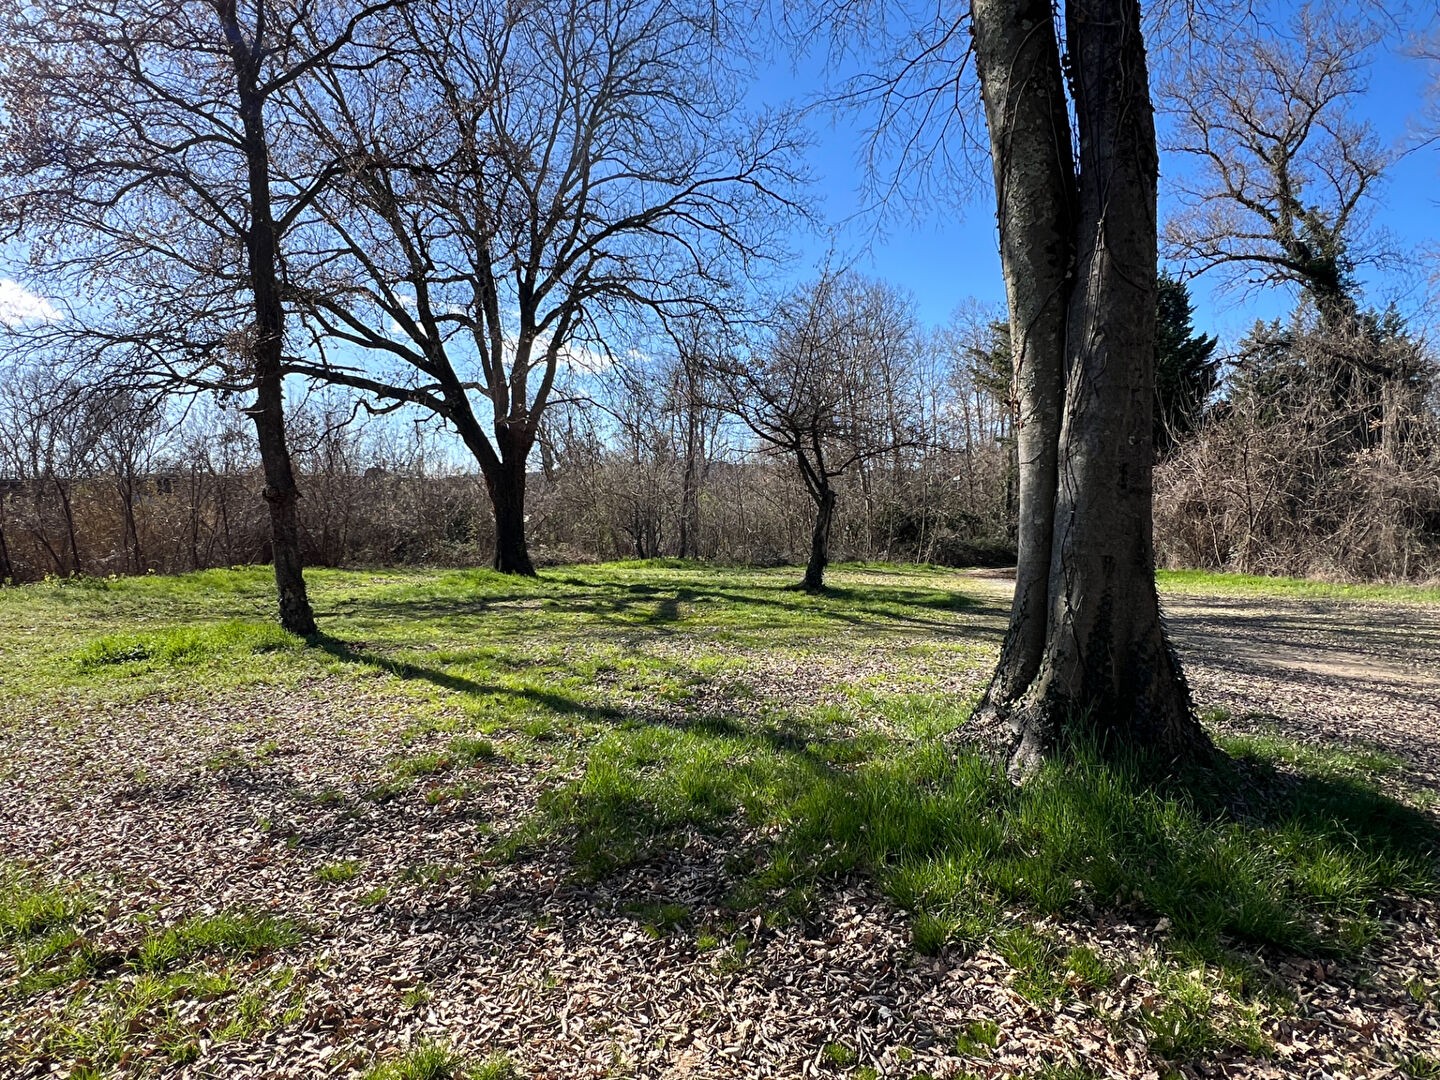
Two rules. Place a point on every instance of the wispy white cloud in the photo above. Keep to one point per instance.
(19, 305)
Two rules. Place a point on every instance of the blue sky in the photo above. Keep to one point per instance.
(946, 256)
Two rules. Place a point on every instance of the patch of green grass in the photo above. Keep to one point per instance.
(224, 933)
(1191, 1017)
(461, 752)
(39, 922)
(541, 729)
(226, 760)
(1328, 760)
(839, 1054)
(1205, 581)
(1060, 1070)
(432, 1061)
(1087, 969)
(1421, 1067)
(440, 875)
(432, 763)
(467, 750)
(659, 920)
(178, 1011)
(185, 645)
(977, 1038)
(951, 839)
(337, 873)
(386, 790)
(732, 958)
(31, 907)
(59, 957)
(416, 996)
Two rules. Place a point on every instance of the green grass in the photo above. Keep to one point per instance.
(40, 923)
(953, 841)
(167, 991)
(840, 1055)
(31, 907)
(1204, 581)
(432, 1061)
(177, 1011)
(1193, 1017)
(224, 933)
(977, 1038)
(645, 696)
(184, 645)
(471, 634)
(338, 873)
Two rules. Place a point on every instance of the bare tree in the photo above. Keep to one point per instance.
(1273, 483)
(1284, 172)
(46, 448)
(525, 186)
(688, 400)
(813, 392)
(124, 427)
(144, 165)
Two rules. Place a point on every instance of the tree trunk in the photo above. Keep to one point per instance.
(125, 482)
(268, 412)
(282, 496)
(67, 509)
(814, 581)
(1105, 673)
(1018, 60)
(506, 485)
(7, 569)
(689, 487)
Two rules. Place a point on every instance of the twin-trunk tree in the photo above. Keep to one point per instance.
(1086, 655)
(521, 183)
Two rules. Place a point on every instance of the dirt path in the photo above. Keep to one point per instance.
(1319, 670)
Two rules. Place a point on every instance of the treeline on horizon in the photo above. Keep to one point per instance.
(1264, 466)
(557, 232)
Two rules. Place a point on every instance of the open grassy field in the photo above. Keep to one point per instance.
(665, 820)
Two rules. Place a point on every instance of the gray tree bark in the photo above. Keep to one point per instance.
(1018, 59)
(1103, 671)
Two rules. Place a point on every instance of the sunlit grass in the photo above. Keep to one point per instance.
(1204, 581)
(654, 699)
(433, 1061)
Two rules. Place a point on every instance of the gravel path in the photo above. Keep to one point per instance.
(174, 807)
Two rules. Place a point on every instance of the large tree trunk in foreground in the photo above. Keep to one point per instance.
(506, 485)
(820, 542)
(1106, 673)
(1019, 65)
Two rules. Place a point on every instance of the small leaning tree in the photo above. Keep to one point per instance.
(820, 389)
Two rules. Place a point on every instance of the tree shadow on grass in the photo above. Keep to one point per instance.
(1252, 856)
(628, 607)
(404, 669)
